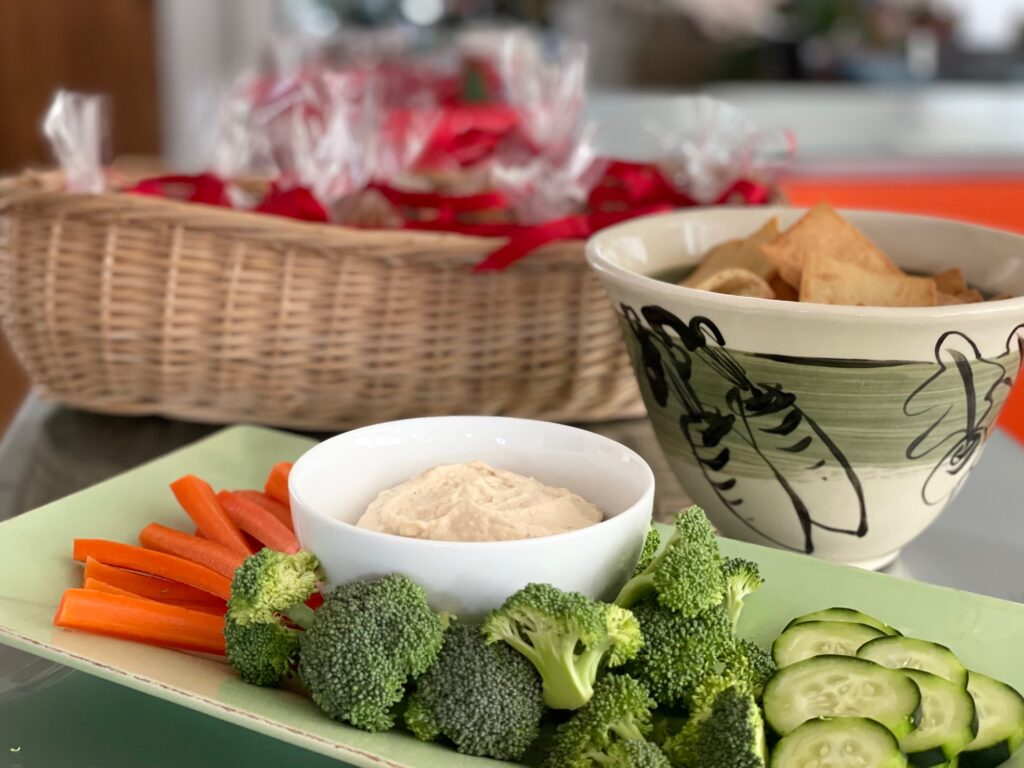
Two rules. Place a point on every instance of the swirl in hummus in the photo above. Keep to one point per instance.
(476, 502)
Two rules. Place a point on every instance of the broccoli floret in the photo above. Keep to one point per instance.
(687, 574)
(420, 720)
(651, 544)
(726, 731)
(633, 754)
(367, 640)
(741, 578)
(620, 710)
(485, 698)
(567, 637)
(751, 665)
(261, 653)
(268, 585)
(679, 652)
(271, 582)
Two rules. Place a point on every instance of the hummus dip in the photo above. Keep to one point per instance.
(476, 502)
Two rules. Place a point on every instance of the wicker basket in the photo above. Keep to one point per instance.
(137, 305)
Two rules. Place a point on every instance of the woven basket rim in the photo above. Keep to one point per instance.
(42, 188)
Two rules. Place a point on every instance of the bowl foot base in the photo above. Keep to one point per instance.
(876, 563)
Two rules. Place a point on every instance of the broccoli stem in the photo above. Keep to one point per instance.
(735, 608)
(636, 588)
(628, 730)
(566, 685)
(301, 614)
(587, 664)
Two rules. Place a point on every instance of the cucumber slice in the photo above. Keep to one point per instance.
(820, 638)
(948, 721)
(911, 653)
(843, 686)
(848, 615)
(839, 742)
(1000, 723)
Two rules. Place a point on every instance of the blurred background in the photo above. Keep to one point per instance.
(907, 104)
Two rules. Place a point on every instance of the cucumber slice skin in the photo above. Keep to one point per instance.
(930, 758)
(994, 744)
(989, 757)
(927, 657)
(958, 729)
(840, 638)
(779, 706)
(850, 615)
(787, 753)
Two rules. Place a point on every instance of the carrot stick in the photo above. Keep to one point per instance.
(204, 606)
(277, 483)
(154, 563)
(139, 619)
(198, 500)
(102, 586)
(258, 522)
(210, 554)
(198, 534)
(149, 586)
(276, 508)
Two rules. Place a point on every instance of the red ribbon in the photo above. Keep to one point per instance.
(626, 191)
(578, 227)
(201, 188)
(468, 133)
(448, 207)
(294, 202)
(635, 184)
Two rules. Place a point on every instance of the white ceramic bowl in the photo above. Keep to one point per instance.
(832, 430)
(332, 484)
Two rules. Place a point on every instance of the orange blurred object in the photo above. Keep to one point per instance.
(992, 200)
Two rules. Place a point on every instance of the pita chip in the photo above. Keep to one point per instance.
(830, 279)
(738, 282)
(822, 230)
(744, 253)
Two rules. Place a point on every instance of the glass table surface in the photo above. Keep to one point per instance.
(51, 716)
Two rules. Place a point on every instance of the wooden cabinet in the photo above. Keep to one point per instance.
(103, 46)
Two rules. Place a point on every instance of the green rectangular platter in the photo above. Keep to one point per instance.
(36, 565)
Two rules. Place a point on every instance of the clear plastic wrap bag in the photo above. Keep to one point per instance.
(78, 128)
(544, 80)
(315, 129)
(550, 186)
(410, 110)
(709, 145)
(541, 77)
(235, 147)
(331, 130)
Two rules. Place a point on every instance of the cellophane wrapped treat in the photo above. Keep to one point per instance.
(709, 145)
(78, 128)
(484, 135)
(545, 82)
(553, 184)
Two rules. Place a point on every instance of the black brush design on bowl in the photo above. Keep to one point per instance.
(766, 417)
(956, 434)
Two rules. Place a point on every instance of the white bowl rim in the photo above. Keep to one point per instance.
(602, 264)
(646, 498)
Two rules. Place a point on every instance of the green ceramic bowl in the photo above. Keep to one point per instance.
(830, 430)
